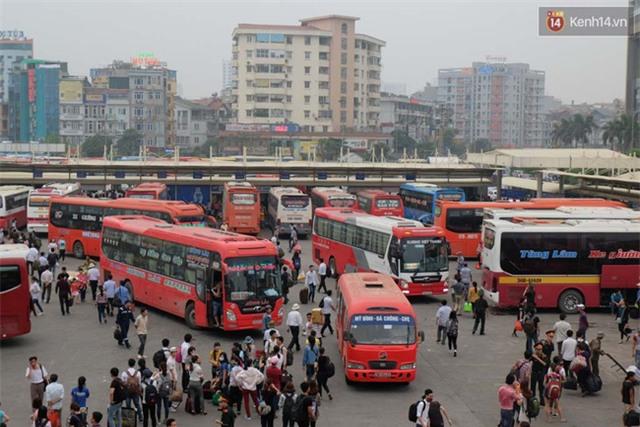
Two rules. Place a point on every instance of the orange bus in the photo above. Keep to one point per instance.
(79, 219)
(175, 269)
(333, 197)
(376, 329)
(241, 207)
(462, 221)
(15, 298)
(380, 203)
(148, 190)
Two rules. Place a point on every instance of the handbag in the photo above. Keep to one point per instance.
(518, 326)
(467, 307)
(117, 334)
(176, 395)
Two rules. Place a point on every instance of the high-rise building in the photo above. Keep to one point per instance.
(13, 50)
(72, 92)
(151, 89)
(633, 62)
(496, 101)
(227, 74)
(321, 75)
(34, 107)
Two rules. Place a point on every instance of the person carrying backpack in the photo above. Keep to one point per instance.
(419, 411)
(149, 398)
(162, 382)
(286, 404)
(310, 357)
(552, 392)
(132, 379)
(452, 332)
(530, 328)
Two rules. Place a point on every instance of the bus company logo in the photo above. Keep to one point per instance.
(555, 21)
(57, 214)
(383, 355)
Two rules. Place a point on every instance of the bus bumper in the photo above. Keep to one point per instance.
(302, 228)
(38, 227)
(419, 289)
(378, 375)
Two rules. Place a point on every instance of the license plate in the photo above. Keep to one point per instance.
(382, 374)
(427, 293)
(257, 322)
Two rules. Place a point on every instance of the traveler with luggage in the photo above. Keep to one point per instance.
(553, 382)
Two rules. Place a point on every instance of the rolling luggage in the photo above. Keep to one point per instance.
(632, 418)
(593, 383)
(571, 384)
(129, 417)
(304, 295)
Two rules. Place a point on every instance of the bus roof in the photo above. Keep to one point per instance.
(332, 192)
(565, 225)
(575, 212)
(149, 186)
(372, 193)
(176, 207)
(279, 191)
(57, 188)
(13, 250)
(7, 190)
(239, 184)
(546, 203)
(389, 224)
(373, 292)
(426, 188)
(194, 236)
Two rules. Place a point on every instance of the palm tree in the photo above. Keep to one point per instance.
(612, 133)
(622, 133)
(562, 132)
(582, 128)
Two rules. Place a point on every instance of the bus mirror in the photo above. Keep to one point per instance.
(421, 336)
(346, 335)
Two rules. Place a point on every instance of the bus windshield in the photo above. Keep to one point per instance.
(252, 278)
(341, 202)
(296, 202)
(424, 254)
(383, 329)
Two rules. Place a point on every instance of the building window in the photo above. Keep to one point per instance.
(139, 96)
(307, 40)
(262, 53)
(323, 56)
(307, 70)
(307, 84)
(323, 85)
(343, 102)
(323, 70)
(343, 58)
(343, 28)
(307, 99)
(307, 114)
(322, 100)
(307, 55)
(249, 54)
(343, 43)
(249, 113)
(343, 116)
(343, 87)
(343, 72)
(261, 112)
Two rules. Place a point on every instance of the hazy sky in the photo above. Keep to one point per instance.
(194, 37)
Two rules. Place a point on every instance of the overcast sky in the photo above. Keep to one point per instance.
(194, 36)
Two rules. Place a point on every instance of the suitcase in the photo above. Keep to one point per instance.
(571, 384)
(129, 418)
(304, 296)
(316, 316)
(632, 418)
(593, 383)
(188, 406)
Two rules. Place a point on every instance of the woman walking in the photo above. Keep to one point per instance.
(622, 319)
(164, 385)
(452, 333)
(324, 373)
(80, 395)
(310, 357)
(101, 303)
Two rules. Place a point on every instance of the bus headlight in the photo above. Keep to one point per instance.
(404, 284)
(354, 365)
(407, 366)
(231, 317)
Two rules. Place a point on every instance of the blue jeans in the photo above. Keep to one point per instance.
(506, 417)
(114, 411)
(531, 341)
(312, 292)
(136, 403)
(101, 313)
(163, 401)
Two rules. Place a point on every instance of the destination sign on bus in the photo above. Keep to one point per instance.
(294, 202)
(387, 203)
(455, 197)
(381, 318)
(243, 198)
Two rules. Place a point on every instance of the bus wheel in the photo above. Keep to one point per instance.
(78, 250)
(347, 380)
(332, 268)
(569, 300)
(129, 286)
(190, 315)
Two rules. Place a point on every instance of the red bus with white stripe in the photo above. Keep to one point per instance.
(13, 205)
(569, 262)
(174, 269)
(148, 190)
(38, 205)
(15, 298)
(380, 203)
(333, 197)
(354, 241)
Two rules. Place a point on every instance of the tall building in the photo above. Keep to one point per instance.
(72, 90)
(13, 50)
(197, 121)
(497, 101)
(410, 115)
(227, 74)
(34, 107)
(151, 89)
(321, 75)
(633, 62)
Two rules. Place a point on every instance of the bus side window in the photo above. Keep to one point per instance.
(201, 284)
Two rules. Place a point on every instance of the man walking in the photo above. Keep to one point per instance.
(62, 248)
(583, 323)
(125, 316)
(481, 307)
(294, 322)
(327, 307)
(458, 293)
(116, 396)
(596, 351)
(53, 397)
(31, 257)
(442, 317)
(465, 278)
(110, 290)
(568, 352)
(141, 330)
(293, 238)
(561, 327)
(37, 375)
(64, 294)
(311, 280)
(286, 280)
(46, 278)
(322, 272)
(94, 275)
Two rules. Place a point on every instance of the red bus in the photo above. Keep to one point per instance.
(569, 262)
(354, 241)
(13, 205)
(174, 269)
(380, 203)
(79, 219)
(462, 221)
(148, 190)
(241, 207)
(376, 330)
(15, 298)
(333, 197)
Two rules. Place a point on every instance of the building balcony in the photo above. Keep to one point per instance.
(67, 116)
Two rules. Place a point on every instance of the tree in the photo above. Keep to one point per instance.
(129, 143)
(202, 150)
(623, 133)
(562, 133)
(581, 128)
(329, 149)
(402, 141)
(378, 148)
(481, 144)
(94, 146)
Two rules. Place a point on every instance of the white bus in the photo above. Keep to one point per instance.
(38, 205)
(568, 261)
(13, 205)
(287, 207)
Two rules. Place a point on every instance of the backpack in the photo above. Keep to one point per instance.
(554, 386)
(118, 391)
(289, 358)
(321, 305)
(165, 387)
(150, 394)
(529, 326)
(520, 373)
(297, 410)
(331, 369)
(533, 407)
(413, 411)
(133, 384)
(452, 328)
(158, 358)
(287, 406)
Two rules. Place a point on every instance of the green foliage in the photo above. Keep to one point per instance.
(329, 149)
(481, 145)
(202, 150)
(94, 146)
(129, 143)
(575, 129)
(622, 133)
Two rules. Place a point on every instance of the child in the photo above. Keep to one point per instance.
(101, 302)
(96, 417)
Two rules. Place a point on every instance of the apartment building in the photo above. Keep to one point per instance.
(13, 50)
(321, 75)
(633, 62)
(497, 101)
(196, 121)
(71, 98)
(408, 114)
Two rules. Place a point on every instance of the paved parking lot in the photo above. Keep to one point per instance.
(77, 345)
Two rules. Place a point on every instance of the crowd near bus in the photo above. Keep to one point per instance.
(38, 205)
